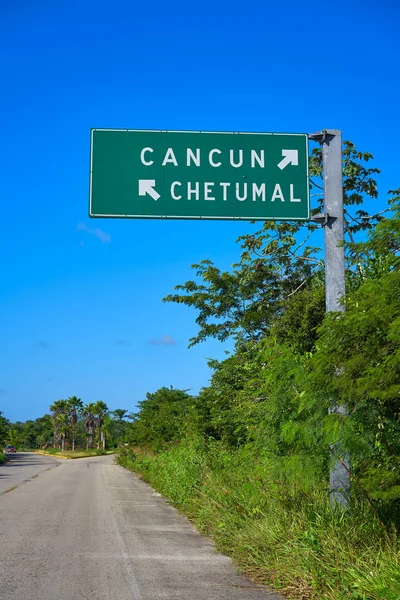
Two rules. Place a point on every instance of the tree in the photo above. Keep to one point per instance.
(118, 426)
(90, 423)
(304, 361)
(41, 431)
(120, 414)
(75, 406)
(4, 427)
(13, 437)
(110, 431)
(277, 263)
(100, 410)
(36, 433)
(380, 253)
(161, 418)
(358, 364)
(63, 427)
(59, 410)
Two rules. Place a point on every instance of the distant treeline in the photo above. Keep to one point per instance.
(70, 426)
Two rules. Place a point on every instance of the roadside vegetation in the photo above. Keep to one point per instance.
(3, 437)
(72, 429)
(75, 453)
(248, 458)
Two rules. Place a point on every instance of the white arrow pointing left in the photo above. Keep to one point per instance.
(291, 158)
(146, 186)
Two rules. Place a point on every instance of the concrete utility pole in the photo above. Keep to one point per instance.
(335, 282)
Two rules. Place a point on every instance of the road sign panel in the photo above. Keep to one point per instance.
(198, 175)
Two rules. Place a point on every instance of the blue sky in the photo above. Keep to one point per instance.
(80, 303)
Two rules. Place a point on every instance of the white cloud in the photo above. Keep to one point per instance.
(165, 340)
(97, 232)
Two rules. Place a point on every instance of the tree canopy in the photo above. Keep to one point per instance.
(292, 362)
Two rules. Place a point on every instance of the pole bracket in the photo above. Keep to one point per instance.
(320, 136)
(322, 218)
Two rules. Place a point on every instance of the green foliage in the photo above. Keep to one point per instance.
(4, 427)
(59, 415)
(276, 263)
(304, 312)
(116, 426)
(223, 411)
(358, 183)
(276, 533)
(76, 453)
(249, 458)
(380, 253)
(96, 423)
(71, 426)
(31, 434)
(161, 418)
(242, 303)
(357, 364)
(74, 410)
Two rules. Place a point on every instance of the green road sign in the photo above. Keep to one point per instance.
(198, 175)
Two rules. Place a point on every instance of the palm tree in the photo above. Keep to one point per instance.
(108, 429)
(75, 406)
(63, 427)
(100, 410)
(90, 422)
(58, 408)
(119, 415)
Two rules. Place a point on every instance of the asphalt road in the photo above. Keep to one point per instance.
(22, 467)
(87, 529)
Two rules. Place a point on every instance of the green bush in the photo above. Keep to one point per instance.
(279, 534)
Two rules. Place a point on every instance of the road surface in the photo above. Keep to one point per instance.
(22, 467)
(88, 529)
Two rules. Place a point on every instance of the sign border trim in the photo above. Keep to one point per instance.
(196, 218)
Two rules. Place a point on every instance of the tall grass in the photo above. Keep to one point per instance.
(76, 453)
(276, 532)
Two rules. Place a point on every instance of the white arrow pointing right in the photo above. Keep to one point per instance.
(146, 186)
(291, 157)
